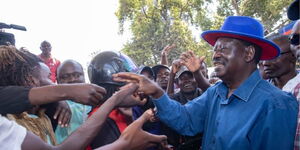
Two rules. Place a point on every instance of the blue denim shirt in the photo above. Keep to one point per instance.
(256, 116)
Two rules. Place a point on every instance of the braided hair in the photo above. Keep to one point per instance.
(16, 67)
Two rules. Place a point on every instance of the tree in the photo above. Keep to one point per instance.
(272, 13)
(157, 23)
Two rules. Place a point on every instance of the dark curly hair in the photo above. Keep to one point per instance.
(17, 66)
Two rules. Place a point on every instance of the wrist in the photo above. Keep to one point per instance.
(157, 93)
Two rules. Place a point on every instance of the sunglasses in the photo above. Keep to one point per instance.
(294, 39)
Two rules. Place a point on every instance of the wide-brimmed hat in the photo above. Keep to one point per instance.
(293, 10)
(247, 29)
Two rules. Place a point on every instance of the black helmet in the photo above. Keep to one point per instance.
(107, 63)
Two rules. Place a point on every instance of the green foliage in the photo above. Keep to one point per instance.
(157, 23)
(272, 13)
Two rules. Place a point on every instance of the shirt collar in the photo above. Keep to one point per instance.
(244, 91)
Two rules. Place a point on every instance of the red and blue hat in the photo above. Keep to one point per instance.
(247, 29)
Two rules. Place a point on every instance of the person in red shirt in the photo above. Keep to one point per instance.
(47, 58)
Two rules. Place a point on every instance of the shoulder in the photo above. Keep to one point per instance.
(274, 97)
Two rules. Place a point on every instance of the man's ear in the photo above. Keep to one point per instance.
(249, 53)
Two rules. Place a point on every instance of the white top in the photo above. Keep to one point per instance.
(291, 85)
(12, 135)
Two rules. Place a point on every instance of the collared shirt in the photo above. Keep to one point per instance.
(256, 116)
(293, 86)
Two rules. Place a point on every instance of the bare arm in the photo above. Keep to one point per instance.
(89, 94)
(174, 70)
(165, 53)
(193, 63)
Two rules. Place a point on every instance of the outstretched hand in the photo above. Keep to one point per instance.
(145, 85)
(127, 96)
(135, 138)
(87, 94)
(191, 61)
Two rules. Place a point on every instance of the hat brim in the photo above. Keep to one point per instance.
(269, 49)
(157, 67)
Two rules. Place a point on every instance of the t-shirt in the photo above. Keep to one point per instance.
(12, 135)
(14, 99)
(79, 115)
(53, 64)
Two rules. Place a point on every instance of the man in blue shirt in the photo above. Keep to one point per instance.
(241, 112)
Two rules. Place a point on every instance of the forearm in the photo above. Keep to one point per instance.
(170, 87)
(86, 133)
(164, 59)
(178, 116)
(48, 94)
(117, 145)
(202, 82)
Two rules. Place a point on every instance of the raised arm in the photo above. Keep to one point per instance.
(193, 63)
(164, 54)
(174, 70)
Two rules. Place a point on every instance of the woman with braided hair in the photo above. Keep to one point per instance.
(21, 68)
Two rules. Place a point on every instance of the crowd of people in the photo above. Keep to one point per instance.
(250, 101)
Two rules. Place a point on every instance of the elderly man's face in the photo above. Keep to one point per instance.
(280, 65)
(228, 57)
(71, 73)
(296, 46)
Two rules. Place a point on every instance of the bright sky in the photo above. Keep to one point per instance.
(75, 28)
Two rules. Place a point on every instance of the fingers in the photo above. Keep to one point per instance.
(130, 88)
(126, 77)
(99, 89)
(156, 138)
(201, 59)
(99, 97)
(64, 118)
(57, 112)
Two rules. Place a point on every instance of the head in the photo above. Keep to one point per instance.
(294, 40)
(186, 81)
(293, 10)
(17, 67)
(261, 70)
(70, 71)
(285, 63)
(104, 65)
(147, 71)
(204, 70)
(161, 75)
(46, 48)
(238, 47)
(234, 55)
